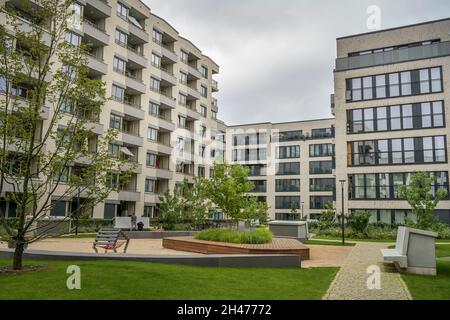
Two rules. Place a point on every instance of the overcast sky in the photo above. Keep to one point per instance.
(276, 57)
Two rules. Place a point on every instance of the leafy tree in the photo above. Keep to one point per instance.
(228, 190)
(253, 210)
(294, 212)
(328, 217)
(171, 208)
(197, 206)
(422, 199)
(48, 108)
(359, 221)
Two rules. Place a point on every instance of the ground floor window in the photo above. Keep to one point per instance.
(59, 208)
(8, 209)
(110, 211)
(287, 216)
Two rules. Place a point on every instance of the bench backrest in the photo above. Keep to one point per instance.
(122, 222)
(401, 244)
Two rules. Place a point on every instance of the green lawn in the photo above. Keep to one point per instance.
(328, 243)
(430, 288)
(443, 250)
(137, 280)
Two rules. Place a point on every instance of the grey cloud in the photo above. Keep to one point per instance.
(277, 57)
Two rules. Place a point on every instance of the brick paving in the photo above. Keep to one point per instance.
(351, 281)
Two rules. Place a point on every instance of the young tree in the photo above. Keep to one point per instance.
(228, 190)
(423, 199)
(197, 204)
(48, 109)
(328, 217)
(171, 207)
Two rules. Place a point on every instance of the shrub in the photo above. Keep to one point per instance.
(257, 236)
(359, 221)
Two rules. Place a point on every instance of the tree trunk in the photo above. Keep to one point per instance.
(18, 254)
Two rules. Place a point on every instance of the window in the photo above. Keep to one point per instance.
(288, 169)
(152, 134)
(321, 150)
(213, 115)
(114, 150)
(154, 84)
(180, 144)
(122, 11)
(62, 176)
(201, 171)
(287, 216)
(256, 170)
(406, 83)
(58, 208)
(204, 71)
(249, 139)
(322, 184)
(121, 38)
(73, 38)
(288, 152)
(3, 85)
(115, 121)
(153, 109)
(119, 65)
(320, 167)
(290, 136)
(183, 77)
(184, 56)
(259, 186)
(181, 122)
(204, 111)
(287, 202)
(157, 36)
(319, 202)
(204, 91)
(117, 93)
(322, 133)
(156, 60)
(182, 99)
(287, 185)
(249, 154)
(203, 131)
(398, 117)
(150, 185)
(201, 151)
(150, 160)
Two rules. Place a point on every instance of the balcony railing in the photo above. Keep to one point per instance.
(93, 25)
(435, 50)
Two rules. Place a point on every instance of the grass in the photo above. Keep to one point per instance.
(328, 243)
(353, 240)
(145, 281)
(430, 288)
(257, 236)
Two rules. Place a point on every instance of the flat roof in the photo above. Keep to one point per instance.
(279, 123)
(394, 28)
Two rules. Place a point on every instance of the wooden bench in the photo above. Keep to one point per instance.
(415, 251)
(109, 239)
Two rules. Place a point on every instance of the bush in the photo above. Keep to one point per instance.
(93, 225)
(257, 236)
(359, 221)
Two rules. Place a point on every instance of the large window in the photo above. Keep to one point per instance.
(321, 150)
(122, 10)
(319, 202)
(288, 169)
(288, 152)
(117, 93)
(249, 154)
(400, 117)
(73, 38)
(322, 133)
(121, 38)
(397, 151)
(321, 167)
(287, 185)
(119, 65)
(386, 185)
(150, 185)
(256, 170)
(398, 84)
(287, 202)
(322, 184)
(249, 139)
(260, 185)
(290, 136)
(115, 121)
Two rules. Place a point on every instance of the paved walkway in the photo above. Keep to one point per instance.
(351, 281)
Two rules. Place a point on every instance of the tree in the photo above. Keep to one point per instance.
(197, 204)
(359, 221)
(328, 217)
(48, 109)
(171, 207)
(228, 190)
(423, 198)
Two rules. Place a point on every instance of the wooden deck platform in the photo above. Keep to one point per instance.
(277, 246)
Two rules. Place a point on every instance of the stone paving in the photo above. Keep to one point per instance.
(351, 281)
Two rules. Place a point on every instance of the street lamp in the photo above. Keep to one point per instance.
(342, 212)
(303, 206)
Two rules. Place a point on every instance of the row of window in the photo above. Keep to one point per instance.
(388, 49)
(293, 202)
(397, 84)
(321, 150)
(400, 117)
(397, 151)
(249, 154)
(293, 185)
(291, 168)
(249, 139)
(386, 185)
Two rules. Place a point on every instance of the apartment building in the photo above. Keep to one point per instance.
(391, 103)
(162, 101)
(291, 165)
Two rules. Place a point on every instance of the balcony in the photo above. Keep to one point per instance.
(94, 31)
(214, 105)
(168, 100)
(97, 66)
(169, 54)
(129, 196)
(192, 93)
(99, 5)
(192, 114)
(131, 139)
(134, 83)
(332, 104)
(194, 71)
(165, 124)
(435, 50)
(214, 86)
(138, 32)
(133, 111)
(167, 75)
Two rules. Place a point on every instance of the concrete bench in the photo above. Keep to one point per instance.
(125, 222)
(415, 251)
(290, 229)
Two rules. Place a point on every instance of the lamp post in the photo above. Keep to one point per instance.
(303, 205)
(342, 211)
